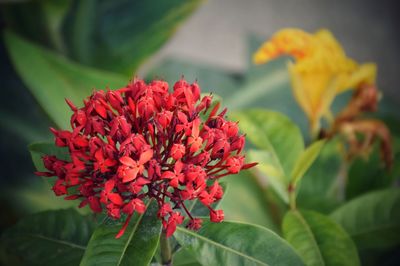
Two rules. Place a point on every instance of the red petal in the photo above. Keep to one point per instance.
(168, 175)
(94, 204)
(171, 227)
(140, 207)
(71, 197)
(71, 105)
(249, 165)
(121, 232)
(109, 185)
(142, 181)
(128, 161)
(115, 198)
(146, 156)
(99, 155)
(101, 110)
(130, 175)
(132, 105)
(110, 162)
(178, 167)
(195, 127)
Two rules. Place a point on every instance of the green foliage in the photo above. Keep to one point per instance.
(49, 238)
(318, 239)
(317, 190)
(252, 205)
(112, 35)
(366, 174)
(281, 155)
(224, 244)
(372, 220)
(49, 44)
(55, 78)
(305, 160)
(122, 34)
(136, 247)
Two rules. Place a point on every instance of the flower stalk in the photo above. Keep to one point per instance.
(166, 253)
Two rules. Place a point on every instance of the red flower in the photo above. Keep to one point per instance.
(143, 142)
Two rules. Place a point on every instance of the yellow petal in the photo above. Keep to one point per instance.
(320, 72)
(364, 74)
(294, 42)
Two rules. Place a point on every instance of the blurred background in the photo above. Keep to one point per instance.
(51, 50)
(216, 33)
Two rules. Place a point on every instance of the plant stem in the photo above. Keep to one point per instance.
(292, 196)
(342, 179)
(166, 254)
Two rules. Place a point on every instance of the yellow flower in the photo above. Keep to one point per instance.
(320, 72)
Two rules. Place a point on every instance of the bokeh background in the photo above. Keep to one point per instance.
(216, 33)
(209, 41)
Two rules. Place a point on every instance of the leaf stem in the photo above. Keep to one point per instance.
(166, 254)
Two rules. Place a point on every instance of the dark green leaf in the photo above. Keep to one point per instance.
(231, 243)
(319, 240)
(367, 174)
(39, 21)
(372, 220)
(50, 238)
(184, 258)
(317, 188)
(120, 35)
(54, 78)
(136, 247)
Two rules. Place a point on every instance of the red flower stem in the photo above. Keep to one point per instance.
(186, 210)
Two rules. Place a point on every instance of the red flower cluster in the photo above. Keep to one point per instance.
(143, 142)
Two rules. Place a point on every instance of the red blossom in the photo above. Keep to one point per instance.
(142, 142)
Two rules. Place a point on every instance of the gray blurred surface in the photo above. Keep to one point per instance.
(216, 33)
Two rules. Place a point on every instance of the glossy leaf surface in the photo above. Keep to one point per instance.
(136, 247)
(318, 239)
(227, 244)
(372, 220)
(50, 238)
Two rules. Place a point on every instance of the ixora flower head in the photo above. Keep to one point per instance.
(320, 72)
(142, 142)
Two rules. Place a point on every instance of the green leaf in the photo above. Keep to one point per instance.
(136, 247)
(273, 132)
(230, 243)
(305, 160)
(120, 35)
(316, 190)
(54, 78)
(36, 196)
(251, 207)
(50, 238)
(368, 174)
(318, 239)
(280, 141)
(271, 172)
(39, 21)
(184, 258)
(372, 220)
